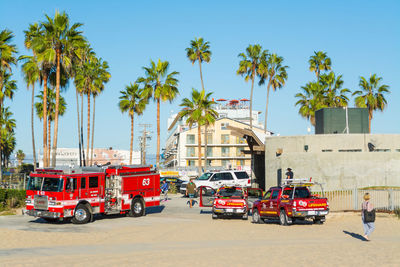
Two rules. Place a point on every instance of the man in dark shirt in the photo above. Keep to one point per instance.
(289, 173)
(190, 191)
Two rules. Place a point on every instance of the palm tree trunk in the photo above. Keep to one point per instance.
(131, 148)
(199, 146)
(158, 133)
(48, 140)
(205, 145)
(45, 121)
(266, 107)
(32, 127)
(201, 74)
(88, 128)
(94, 109)
(83, 146)
(79, 132)
(251, 99)
(54, 149)
(369, 120)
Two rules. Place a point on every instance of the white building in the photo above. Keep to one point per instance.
(70, 156)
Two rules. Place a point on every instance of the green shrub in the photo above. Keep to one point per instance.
(12, 198)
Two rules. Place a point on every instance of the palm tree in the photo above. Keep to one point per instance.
(198, 110)
(272, 71)
(31, 72)
(6, 119)
(51, 104)
(335, 95)
(161, 86)
(248, 67)
(86, 54)
(103, 76)
(59, 47)
(8, 58)
(132, 101)
(210, 116)
(200, 51)
(7, 146)
(312, 100)
(319, 62)
(20, 156)
(371, 95)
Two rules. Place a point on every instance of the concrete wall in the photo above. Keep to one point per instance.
(340, 166)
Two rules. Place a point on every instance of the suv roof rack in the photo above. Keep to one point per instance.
(298, 182)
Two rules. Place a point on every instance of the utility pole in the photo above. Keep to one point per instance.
(143, 139)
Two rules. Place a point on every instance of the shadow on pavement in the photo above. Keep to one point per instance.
(156, 209)
(357, 236)
(205, 212)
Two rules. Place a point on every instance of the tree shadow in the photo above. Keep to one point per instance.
(357, 236)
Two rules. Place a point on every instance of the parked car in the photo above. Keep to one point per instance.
(289, 202)
(220, 178)
(169, 179)
(229, 200)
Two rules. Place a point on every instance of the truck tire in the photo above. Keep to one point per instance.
(283, 220)
(319, 220)
(255, 218)
(137, 208)
(82, 215)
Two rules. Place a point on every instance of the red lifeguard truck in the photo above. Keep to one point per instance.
(80, 193)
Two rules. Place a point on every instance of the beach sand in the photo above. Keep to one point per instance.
(179, 236)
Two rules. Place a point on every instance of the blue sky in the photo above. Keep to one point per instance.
(361, 37)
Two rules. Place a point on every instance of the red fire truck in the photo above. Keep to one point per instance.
(80, 193)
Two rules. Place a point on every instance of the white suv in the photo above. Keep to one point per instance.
(217, 179)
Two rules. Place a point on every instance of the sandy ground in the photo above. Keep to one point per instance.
(174, 235)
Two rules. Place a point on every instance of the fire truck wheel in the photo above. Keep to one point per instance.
(82, 215)
(283, 220)
(137, 208)
(255, 218)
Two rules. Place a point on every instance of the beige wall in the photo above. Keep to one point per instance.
(340, 161)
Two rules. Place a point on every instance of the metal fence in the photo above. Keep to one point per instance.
(14, 181)
(382, 199)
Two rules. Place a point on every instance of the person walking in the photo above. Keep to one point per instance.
(164, 190)
(368, 216)
(190, 191)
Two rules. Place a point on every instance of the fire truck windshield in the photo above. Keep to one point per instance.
(45, 184)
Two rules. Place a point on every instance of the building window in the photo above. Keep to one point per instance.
(209, 162)
(190, 163)
(225, 151)
(240, 151)
(224, 138)
(209, 152)
(226, 163)
(209, 138)
(224, 126)
(240, 140)
(190, 139)
(190, 152)
(240, 162)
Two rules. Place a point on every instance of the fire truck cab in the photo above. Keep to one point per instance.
(80, 193)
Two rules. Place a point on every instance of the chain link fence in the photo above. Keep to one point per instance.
(14, 181)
